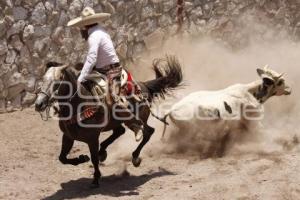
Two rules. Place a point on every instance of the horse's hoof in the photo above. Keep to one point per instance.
(84, 158)
(136, 161)
(102, 156)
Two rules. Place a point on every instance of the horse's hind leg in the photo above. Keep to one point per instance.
(117, 132)
(147, 133)
(67, 144)
(94, 148)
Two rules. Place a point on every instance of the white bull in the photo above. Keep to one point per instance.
(216, 116)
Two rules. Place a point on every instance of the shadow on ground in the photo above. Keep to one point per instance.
(114, 185)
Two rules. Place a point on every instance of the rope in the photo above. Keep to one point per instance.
(162, 119)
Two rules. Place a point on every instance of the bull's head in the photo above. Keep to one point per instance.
(273, 83)
(50, 85)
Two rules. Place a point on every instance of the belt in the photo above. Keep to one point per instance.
(109, 67)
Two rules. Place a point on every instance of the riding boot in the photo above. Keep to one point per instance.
(134, 124)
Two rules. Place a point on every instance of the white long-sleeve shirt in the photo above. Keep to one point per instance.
(101, 51)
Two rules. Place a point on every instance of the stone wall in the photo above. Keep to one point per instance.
(33, 32)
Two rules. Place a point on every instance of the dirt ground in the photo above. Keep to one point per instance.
(29, 169)
(266, 169)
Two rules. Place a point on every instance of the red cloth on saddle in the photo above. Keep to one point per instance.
(130, 83)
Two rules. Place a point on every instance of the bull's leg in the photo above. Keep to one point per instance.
(67, 144)
(147, 133)
(223, 144)
(94, 148)
(117, 132)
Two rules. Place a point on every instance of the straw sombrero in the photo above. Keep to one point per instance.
(88, 16)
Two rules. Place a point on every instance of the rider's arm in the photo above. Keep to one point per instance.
(91, 58)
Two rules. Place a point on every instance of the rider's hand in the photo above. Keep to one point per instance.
(78, 86)
(82, 84)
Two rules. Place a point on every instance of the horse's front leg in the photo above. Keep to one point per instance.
(117, 132)
(147, 133)
(67, 144)
(94, 148)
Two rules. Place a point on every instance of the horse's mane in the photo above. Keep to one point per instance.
(77, 66)
(53, 64)
(72, 73)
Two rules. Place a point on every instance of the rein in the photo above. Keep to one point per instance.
(47, 111)
(50, 102)
(87, 113)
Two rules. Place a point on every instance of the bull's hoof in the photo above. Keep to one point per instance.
(83, 158)
(102, 156)
(136, 161)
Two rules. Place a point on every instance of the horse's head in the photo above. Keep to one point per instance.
(52, 81)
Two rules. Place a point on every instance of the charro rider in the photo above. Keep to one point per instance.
(102, 57)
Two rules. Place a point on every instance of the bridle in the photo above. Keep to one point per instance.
(50, 101)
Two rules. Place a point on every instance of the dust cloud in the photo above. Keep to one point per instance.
(210, 65)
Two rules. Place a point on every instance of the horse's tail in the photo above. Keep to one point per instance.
(168, 77)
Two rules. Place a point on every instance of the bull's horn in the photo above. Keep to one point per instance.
(281, 75)
(266, 67)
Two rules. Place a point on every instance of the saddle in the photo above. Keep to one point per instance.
(129, 88)
(99, 89)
